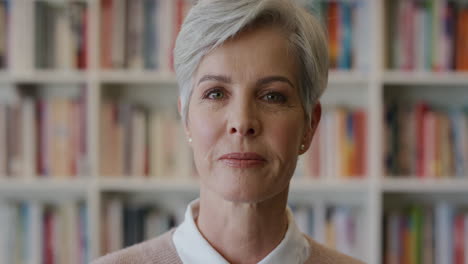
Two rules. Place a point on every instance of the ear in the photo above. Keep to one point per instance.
(179, 108)
(311, 127)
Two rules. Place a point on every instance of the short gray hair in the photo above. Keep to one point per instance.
(210, 23)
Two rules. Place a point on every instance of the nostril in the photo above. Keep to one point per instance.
(233, 130)
(251, 131)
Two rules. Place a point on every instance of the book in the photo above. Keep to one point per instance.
(427, 35)
(444, 235)
(426, 140)
(60, 35)
(338, 148)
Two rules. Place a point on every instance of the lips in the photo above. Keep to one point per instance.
(243, 159)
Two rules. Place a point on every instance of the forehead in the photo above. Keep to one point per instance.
(252, 54)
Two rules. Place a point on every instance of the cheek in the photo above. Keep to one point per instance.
(286, 135)
(205, 130)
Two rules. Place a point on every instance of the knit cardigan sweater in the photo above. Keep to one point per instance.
(161, 250)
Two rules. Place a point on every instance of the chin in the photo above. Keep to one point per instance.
(247, 194)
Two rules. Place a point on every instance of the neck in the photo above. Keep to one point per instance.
(257, 228)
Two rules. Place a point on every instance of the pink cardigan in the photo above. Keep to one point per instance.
(161, 250)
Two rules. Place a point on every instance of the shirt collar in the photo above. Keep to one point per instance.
(192, 247)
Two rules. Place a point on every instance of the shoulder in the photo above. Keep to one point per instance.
(159, 250)
(324, 255)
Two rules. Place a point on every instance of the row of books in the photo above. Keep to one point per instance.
(4, 14)
(40, 233)
(140, 34)
(339, 147)
(136, 141)
(45, 137)
(347, 26)
(337, 227)
(124, 224)
(426, 140)
(426, 234)
(61, 34)
(428, 35)
(61, 137)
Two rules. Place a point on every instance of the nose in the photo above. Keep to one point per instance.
(243, 119)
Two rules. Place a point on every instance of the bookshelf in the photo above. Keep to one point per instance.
(365, 87)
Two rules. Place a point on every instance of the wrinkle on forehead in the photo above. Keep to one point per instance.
(281, 62)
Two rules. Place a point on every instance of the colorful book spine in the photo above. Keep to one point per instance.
(425, 234)
(339, 147)
(428, 35)
(426, 141)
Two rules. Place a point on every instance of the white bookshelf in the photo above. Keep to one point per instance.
(425, 78)
(366, 86)
(427, 186)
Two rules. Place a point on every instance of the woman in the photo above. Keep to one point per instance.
(250, 75)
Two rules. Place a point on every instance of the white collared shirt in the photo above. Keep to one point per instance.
(192, 247)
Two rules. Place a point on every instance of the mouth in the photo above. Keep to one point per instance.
(243, 159)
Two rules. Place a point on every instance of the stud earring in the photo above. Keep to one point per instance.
(190, 140)
(302, 146)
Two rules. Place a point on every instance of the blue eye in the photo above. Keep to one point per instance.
(275, 98)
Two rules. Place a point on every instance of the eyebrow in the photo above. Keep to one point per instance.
(262, 81)
(271, 79)
(219, 78)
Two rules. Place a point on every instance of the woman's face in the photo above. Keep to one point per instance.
(245, 117)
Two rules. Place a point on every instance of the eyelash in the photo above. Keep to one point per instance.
(281, 100)
(207, 94)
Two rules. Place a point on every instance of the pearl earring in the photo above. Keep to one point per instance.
(302, 147)
(190, 140)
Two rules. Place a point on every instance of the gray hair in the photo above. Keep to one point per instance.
(211, 22)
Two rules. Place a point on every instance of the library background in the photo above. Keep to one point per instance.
(93, 159)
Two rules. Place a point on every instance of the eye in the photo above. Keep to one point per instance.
(274, 98)
(215, 94)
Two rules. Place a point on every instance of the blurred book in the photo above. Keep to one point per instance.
(124, 223)
(140, 34)
(35, 232)
(339, 147)
(425, 140)
(136, 142)
(61, 34)
(423, 233)
(428, 35)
